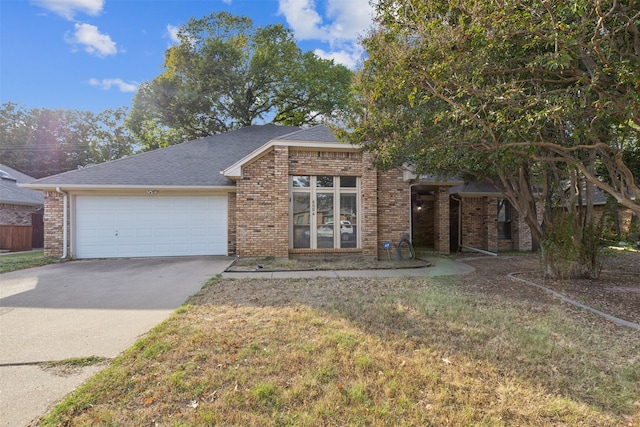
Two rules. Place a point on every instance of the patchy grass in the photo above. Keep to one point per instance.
(367, 352)
(20, 261)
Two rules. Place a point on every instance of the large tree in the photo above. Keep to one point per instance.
(226, 74)
(43, 142)
(532, 96)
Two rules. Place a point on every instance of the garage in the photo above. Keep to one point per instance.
(150, 226)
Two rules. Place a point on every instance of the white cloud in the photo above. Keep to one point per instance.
(349, 58)
(106, 84)
(68, 8)
(172, 32)
(303, 19)
(93, 41)
(344, 21)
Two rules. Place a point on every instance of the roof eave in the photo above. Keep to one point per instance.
(83, 187)
(20, 203)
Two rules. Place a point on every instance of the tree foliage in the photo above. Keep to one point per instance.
(534, 96)
(227, 74)
(43, 142)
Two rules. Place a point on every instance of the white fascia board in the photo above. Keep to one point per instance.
(471, 194)
(86, 187)
(235, 170)
(19, 203)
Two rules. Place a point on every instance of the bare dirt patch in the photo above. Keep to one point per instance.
(615, 292)
(329, 262)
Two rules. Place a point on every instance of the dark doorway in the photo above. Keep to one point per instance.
(422, 217)
(37, 230)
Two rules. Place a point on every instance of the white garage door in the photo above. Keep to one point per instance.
(112, 227)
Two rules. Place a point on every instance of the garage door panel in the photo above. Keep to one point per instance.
(150, 226)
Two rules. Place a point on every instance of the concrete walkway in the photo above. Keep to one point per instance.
(439, 267)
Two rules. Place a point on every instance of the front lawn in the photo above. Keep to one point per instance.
(22, 260)
(477, 349)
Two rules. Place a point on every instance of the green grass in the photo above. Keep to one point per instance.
(20, 261)
(372, 352)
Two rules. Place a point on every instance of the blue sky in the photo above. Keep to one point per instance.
(93, 54)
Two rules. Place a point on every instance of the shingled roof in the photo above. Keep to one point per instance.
(320, 133)
(12, 194)
(195, 163)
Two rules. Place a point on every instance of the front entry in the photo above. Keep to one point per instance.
(422, 217)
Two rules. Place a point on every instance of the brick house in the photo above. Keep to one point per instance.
(263, 191)
(20, 211)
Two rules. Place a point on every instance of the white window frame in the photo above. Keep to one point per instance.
(336, 191)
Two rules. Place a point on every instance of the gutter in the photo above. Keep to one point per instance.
(65, 243)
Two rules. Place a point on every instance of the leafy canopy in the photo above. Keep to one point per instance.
(489, 86)
(43, 142)
(539, 97)
(226, 74)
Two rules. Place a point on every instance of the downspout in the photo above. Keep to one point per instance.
(65, 243)
(482, 251)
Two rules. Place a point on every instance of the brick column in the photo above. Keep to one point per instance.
(281, 202)
(441, 227)
(53, 223)
(491, 223)
(231, 224)
(369, 208)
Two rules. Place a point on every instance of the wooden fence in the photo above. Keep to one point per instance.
(15, 237)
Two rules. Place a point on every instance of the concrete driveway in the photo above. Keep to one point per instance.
(81, 309)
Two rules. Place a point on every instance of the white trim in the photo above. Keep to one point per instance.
(336, 191)
(76, 187)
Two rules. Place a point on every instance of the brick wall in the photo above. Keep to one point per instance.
(262, 200)
(394, 201)
(441, 228)
(369, 207)
(255, 200)
(53, 227)
(280, 184)
(473, 222)
(16, 214)
(231, 224)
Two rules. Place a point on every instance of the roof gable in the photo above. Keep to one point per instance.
(317, 137)
(11, 193)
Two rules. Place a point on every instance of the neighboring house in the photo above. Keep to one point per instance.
(255, 192)
(20, 212)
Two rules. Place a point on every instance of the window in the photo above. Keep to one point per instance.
(324, 212)
(504, 219)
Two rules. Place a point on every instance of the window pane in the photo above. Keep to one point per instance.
(348, 220)
(301, 181)
(325, 215)
(301, 220)
(348, 181)
(504, 219)
(324, 182)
